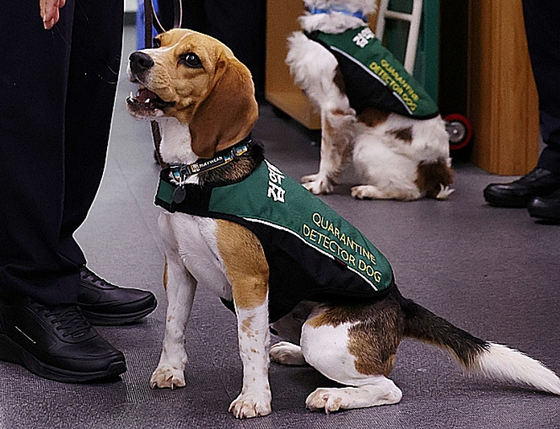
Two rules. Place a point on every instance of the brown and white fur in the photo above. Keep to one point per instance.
(395, 157)
(203, 99)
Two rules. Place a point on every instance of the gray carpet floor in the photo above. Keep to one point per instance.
(494, 272)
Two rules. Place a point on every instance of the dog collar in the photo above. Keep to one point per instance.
(358, 14)
(181, 172)
(173, 179)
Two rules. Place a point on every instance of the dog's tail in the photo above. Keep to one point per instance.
(477, 356)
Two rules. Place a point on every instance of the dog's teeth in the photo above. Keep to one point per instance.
(147, 100)
(131, 95)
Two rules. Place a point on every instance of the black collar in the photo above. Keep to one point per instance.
(181, 172)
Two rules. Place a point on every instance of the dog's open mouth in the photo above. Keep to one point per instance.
(146, 103)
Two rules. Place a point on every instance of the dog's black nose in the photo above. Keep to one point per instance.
(140, 62)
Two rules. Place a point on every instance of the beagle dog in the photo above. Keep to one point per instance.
(370, 114)
(203, 99)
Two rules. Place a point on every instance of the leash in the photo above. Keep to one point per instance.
(151, 16)
(152, 20)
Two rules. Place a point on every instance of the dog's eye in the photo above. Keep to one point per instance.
(156, 43)
(190, 60)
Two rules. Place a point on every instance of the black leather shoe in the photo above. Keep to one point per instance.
(546, 208)
(56, 343)
(103, 303)
(537, 183)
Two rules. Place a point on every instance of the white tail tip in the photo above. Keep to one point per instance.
(502, 363)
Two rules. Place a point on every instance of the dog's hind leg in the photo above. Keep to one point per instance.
(384, 173)
(371, 192)
(286, 353)
(379, 390)
(358, 351)
(289, 352)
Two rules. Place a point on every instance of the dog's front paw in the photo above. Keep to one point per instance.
(309, 178)
(248, 405)
(166, 376)
(287, 354)
(317, 184)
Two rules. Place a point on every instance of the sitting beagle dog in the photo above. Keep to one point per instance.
(374, 115)
(272, 251)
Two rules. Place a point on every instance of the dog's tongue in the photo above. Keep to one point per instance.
(145, 94)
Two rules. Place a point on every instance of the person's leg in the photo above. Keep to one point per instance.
(41, 326)
(33, 82)
(92, 84)
(193, 14)
(240, 24)
(543, 39)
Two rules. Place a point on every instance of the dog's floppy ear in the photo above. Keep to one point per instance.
(228, 112)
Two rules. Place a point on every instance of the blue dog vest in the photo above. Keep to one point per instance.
(312, 252)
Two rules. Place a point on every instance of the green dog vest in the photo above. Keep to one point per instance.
(373, 77)
(311, 250)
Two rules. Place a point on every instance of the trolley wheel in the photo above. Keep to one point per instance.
(459, 129)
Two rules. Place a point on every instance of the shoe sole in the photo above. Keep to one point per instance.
(546, 219)
(103, 319)
(12, 352)
(501, 202)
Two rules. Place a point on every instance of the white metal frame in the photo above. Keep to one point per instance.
(413, 18)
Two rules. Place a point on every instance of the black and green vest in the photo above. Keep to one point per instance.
(373, 77)
(313, 253)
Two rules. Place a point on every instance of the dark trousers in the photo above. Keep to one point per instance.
(240, 24)
(543, 37)
(57, 91)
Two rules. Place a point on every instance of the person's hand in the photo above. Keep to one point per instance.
(50, 12)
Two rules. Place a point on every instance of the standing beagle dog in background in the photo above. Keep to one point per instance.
(371, 109)
(341, 313)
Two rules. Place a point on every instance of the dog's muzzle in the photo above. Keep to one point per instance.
(146, 102)
(139, 63)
